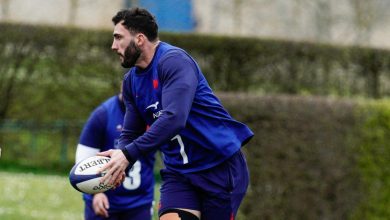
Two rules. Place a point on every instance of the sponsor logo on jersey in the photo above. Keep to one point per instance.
(157, 114)
(155, 106)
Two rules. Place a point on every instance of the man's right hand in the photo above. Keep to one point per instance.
(100, 204)
(115, 169)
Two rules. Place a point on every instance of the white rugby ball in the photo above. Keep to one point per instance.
(85, 178)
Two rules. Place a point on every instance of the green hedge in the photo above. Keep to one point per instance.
(315, 158)
(311, 157)
(45, 68)
(374, 161)
(302, 157)
(54, 72)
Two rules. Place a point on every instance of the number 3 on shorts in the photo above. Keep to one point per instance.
(182, 152)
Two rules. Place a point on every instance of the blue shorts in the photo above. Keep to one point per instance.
(139, 213)
(216, 192)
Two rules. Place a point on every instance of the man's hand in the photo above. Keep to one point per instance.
(115, 169)
(100, 204)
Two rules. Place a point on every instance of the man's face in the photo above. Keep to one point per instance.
(125, 46)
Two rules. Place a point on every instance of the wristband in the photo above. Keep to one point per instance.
(127, 155)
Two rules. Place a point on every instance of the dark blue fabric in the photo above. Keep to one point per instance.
(102, 131)
(140, 213)
(172, 101)
(216, 192)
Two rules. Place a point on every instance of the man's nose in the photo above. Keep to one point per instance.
(114, 46)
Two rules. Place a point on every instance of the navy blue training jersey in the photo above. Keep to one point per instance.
(185, 119)
(102, 131)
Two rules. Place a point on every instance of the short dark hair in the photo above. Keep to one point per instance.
(138, 20)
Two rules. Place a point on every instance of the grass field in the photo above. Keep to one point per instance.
(38, 196)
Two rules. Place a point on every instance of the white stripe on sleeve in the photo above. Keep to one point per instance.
(84, 151)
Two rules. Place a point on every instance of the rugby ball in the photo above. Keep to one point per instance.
(84, 175)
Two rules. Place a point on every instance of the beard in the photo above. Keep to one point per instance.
(132, 53)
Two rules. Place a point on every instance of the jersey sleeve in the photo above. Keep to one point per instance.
(93, 132)
(133, 125)
(179, 79)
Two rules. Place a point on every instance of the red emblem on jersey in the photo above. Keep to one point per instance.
(155, 83)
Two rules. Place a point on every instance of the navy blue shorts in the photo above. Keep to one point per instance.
(216, 192)
(139, 213)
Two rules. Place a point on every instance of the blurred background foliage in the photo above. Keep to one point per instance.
(76, 68)
(319, 112)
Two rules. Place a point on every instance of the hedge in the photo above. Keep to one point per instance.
(311, 157)
(76, 67)
(315, 157)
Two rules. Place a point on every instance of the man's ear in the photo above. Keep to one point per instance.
(140, 39)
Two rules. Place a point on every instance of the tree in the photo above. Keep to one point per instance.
(16, 69)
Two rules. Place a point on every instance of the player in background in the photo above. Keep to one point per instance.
(205, 175)
(133, 199)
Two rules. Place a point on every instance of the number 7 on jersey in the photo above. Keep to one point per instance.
(182, 152)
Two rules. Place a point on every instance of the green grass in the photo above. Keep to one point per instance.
(39, 196)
